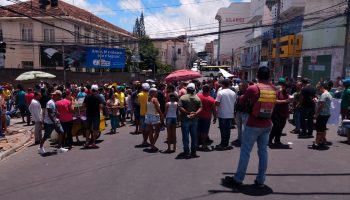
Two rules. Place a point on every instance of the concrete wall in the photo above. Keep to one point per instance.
(320, 36)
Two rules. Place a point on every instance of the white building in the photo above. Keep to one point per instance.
(233, 17)
(323, 40)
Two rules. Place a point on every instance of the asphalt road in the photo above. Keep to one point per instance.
(118, 170)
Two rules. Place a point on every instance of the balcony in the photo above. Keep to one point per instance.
(248, 59)
(292, 7)
(289, 8)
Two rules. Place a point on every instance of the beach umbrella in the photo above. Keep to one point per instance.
(34, 75)
(182, 75)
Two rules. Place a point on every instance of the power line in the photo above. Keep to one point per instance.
(183, 29)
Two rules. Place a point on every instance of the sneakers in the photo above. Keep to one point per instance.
(62, 150)
(258, 185)
(41, 150)
(229, 181)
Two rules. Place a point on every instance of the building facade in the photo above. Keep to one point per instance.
(176, 52)
(59, 27)
(235, 16)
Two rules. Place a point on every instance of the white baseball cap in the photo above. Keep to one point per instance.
(145, 86)
(191, 86)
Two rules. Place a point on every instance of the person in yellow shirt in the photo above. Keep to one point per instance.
(121, 98)
(7, 95)
(142, 101)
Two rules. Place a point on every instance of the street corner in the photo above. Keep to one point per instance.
(15, 139)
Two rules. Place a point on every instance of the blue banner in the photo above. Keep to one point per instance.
(105, 57)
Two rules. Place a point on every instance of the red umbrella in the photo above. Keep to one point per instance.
(182, 75)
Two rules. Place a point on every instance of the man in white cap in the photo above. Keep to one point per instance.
(190, 106)
(51, 123)
(142, 98)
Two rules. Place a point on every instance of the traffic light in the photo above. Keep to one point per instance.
(54, 3)
(2, 47)
(43, 3)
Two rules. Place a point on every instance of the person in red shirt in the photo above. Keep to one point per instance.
(65, 108)
(204, 117)
(29, 96)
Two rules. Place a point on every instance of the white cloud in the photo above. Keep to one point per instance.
(5, 3)
(93, 7)
(173, 20)
(131, 5)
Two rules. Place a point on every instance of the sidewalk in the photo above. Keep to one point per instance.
(17, 136)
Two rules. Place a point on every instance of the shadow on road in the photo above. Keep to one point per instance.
(254, 174)
(47, 154)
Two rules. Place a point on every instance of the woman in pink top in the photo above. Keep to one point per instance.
(65, 108)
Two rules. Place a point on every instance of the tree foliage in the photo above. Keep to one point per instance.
(139, 29)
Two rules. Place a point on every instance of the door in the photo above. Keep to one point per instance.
(319, 71)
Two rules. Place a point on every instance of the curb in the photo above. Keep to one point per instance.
(15, 148)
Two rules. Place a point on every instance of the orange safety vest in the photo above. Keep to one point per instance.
(263, 108)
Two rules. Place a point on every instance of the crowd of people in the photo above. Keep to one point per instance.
(258, 109)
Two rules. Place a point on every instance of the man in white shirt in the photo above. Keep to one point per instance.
(225, 102)
(36, 112)
(52, 123)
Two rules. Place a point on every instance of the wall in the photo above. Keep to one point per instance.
(77, 77)
(336, 63)
(320, 36)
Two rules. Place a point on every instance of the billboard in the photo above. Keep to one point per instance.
(81, 56)
(105, 57)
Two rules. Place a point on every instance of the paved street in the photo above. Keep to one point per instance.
(119, 171)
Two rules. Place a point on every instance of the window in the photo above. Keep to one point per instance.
(49, 34)
(27, 32)
(27, 64)
(96, 33)
(76, 34)
(87, 36)
(104, 37)
(179, 51)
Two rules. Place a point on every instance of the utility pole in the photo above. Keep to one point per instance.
(219, 40)
(346, 61)
(294, 51)
(232, 60)
(64, 67)
(278, 35)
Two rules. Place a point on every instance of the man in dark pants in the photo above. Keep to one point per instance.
(280, 115)
(93, 105)
(307, 109)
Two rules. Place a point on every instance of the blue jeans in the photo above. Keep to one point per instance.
(225, 131)
(189, 128)
(249, 137)
(114, 121)
(297, 119)
(241, 120)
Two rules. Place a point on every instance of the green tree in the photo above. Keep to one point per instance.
(142, 29)
(148, 54)
(136, 28)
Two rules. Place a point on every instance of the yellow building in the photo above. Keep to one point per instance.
(62, 25)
